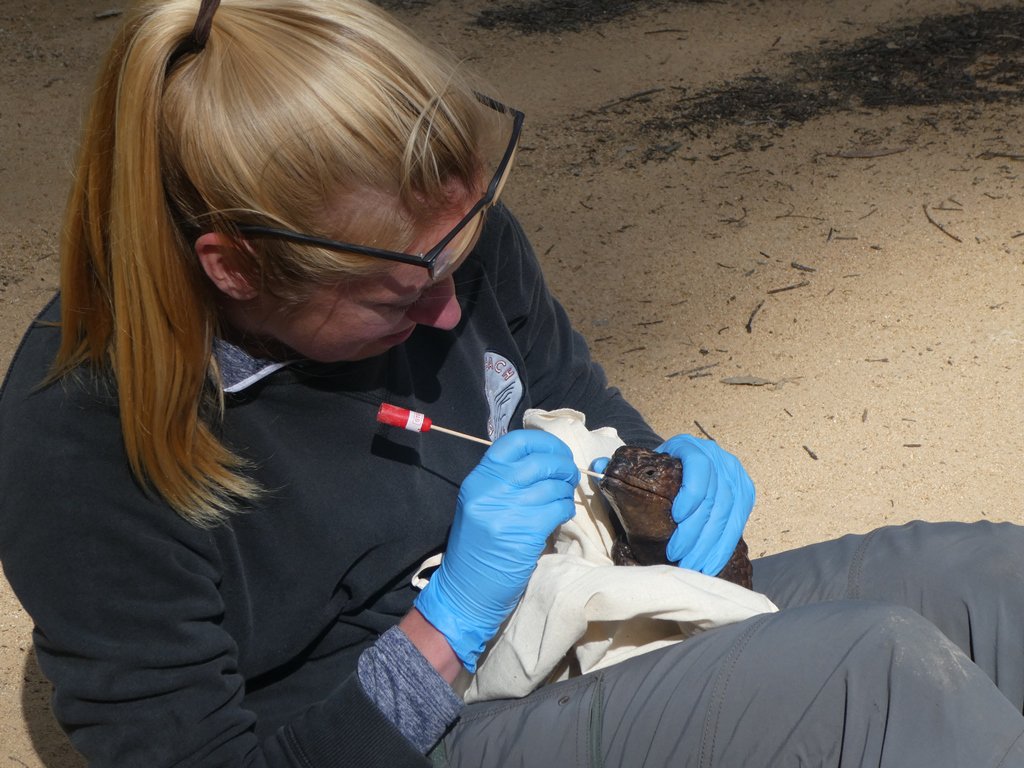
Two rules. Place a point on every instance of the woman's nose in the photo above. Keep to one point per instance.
(437, 307)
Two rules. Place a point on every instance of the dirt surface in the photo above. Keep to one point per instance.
(793, 226)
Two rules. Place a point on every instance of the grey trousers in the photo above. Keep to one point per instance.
(900, 648)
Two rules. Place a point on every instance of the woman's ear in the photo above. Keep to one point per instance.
(225, 265)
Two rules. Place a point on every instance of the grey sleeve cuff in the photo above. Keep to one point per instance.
(407, 689)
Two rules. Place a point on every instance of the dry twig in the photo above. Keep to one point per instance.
(750, 320)
(938, 226)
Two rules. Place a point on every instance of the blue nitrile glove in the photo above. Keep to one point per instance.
(712, 505)
(508, 505)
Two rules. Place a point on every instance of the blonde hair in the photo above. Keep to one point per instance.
(294, 114)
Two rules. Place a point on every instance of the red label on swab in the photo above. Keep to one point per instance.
(394, 416)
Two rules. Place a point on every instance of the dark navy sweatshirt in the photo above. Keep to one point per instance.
(171, 644)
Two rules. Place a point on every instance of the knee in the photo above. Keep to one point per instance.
(854, 645)
(877, 624)
(894, 626)
(894, 641)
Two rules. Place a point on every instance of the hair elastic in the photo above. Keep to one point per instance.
(196, 41)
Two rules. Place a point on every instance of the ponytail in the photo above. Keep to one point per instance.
(132, 296)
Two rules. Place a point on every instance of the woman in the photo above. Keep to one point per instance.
(285, 214)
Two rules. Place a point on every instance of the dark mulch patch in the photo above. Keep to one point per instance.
(549, 16)
(959, 59)
(554, 16)
(963, 59)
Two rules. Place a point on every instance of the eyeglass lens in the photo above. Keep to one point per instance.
(456, 251)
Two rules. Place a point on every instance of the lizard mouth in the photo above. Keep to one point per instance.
(646, 483)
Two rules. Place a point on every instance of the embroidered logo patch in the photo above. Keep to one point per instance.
(503, 389)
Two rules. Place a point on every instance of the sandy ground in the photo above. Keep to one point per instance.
(793, 226)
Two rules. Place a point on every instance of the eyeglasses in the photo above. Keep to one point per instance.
(442, 258)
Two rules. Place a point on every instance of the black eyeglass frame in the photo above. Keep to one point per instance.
(428, 259)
